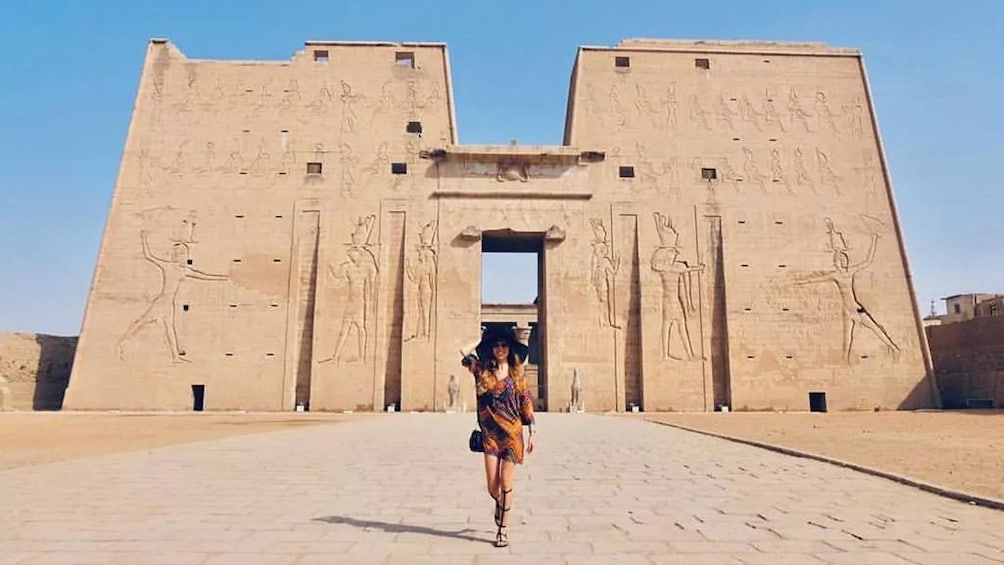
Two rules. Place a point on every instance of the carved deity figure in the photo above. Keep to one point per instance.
(162, 310)
(603, 271)
(843, 277)
(359, 272)
(795, 111)
(423, 274)
(677, 295)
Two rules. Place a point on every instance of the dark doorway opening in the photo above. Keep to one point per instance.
(513, 296)
(817, 402)
(198, 397)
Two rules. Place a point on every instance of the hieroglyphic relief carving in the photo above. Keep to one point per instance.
(416, 103)
(752, 170)
(868, 173)
(826, 174)
(777, 170)
(670, 103)
(208, 163)
(177, 166)
(724, 113)
(843, 276)
(795, 111)
(748, 112)
(263, 96)
(146, 164)
(348, 162)
(726, 174)
(258, 162)
(677, 289)
(323, 101)
(290, 96)
(422, 273)
(174, 271)
(644, 106)
(770, 114)
(385, 102)
(802, 177)
(854, 116)
(603, 270)
(616, 108)
(825, 115)
(698, 114)
(349, 100)
(379, 166)
(288, 158)
(359, 271)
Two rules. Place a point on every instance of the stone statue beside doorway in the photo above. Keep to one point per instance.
(575, 405)
(454, 390)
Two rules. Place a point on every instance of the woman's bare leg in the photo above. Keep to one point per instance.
(506, 471)
(492, 475)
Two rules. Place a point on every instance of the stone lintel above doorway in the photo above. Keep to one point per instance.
(531, 154)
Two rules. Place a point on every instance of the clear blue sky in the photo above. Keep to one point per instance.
(70, 71)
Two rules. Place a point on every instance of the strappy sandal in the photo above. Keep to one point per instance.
(502, 535)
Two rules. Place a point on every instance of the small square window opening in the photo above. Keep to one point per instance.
(626, 172)
(399, 168)
(702, 63)
(320, 56)
(414, 127)
(405, 59)
(622, 62)
(709, 174)
(314, 168)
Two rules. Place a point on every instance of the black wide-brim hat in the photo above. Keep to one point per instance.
(493, 335)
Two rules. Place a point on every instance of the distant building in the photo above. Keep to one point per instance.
(962, 307)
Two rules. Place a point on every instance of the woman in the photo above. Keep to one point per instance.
(505, 406)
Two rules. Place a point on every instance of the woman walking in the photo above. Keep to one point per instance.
(505, 407)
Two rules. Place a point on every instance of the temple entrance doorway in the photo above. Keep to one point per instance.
(513, 296)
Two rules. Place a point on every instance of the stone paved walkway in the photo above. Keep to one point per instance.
(401, 488)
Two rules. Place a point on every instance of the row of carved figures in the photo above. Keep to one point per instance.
(210, 160)
(661, 108)
(355, 109)
(794, 170)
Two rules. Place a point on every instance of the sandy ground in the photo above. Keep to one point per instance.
(958, 450)
(32, 438)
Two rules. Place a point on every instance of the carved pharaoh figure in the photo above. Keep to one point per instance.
(843, 277)
(162, 310)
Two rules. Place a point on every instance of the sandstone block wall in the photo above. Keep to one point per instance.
(717, 229)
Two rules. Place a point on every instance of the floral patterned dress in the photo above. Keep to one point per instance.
(504, 407)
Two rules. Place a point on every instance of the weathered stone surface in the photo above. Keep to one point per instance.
(34, 370)
(717, 229)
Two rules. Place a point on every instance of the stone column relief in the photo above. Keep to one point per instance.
(603, 270)
(677, 291)
(359, 271)
(843, 275)
(174, 270)
(422, 274)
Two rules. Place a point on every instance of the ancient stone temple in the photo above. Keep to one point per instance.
(717, 230)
